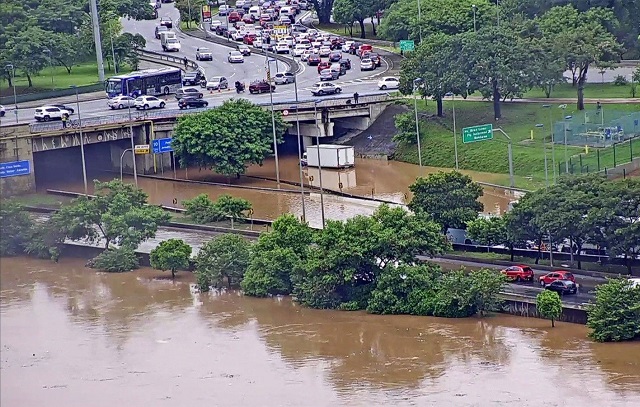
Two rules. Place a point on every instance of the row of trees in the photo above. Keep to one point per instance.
(584, 210)
(349, 12)
(501, 61)
(36, 34)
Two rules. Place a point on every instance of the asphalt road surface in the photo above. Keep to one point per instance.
(253, 68)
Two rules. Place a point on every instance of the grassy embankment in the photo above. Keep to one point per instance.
(194, 26)
(57, 77)
(518, 120)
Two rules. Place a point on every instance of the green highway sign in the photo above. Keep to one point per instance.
(407, 45)
(477, 133)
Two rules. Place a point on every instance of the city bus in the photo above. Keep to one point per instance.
(157, 81)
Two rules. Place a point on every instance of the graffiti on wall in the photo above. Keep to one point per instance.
(73, 140)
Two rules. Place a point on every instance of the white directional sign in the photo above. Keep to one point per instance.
(142, 149)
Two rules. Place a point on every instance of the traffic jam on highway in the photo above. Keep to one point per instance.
(270, 26)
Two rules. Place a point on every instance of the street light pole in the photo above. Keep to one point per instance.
(96, 38)
(84, 163)
(315, 114)
(455, 136)
(273, 120)
(415, 108)
(553, 142)
(419, 22)
(295, 88)
(544, 147)
(566, 154)
(497, 13)
(133, 146)
(13, 82)
(475, 8)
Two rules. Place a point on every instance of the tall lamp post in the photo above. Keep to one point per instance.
(48, 51)
(475, 8)
(295, 89)
(416, 83)
(566, 154)
(12, 70)
(553, 142)
(544, 147)
(455, 136)
(133, 146)
(419, 22)
(498, 13)
(84, 163)
(273, 119)
(315, 114)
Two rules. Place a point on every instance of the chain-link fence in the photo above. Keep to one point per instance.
(596, 160)
(596, 128)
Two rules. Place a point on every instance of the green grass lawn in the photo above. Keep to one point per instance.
(57, 78)
(518, 121)
(591, 90)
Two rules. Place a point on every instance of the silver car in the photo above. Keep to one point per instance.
(283, 78)
(120, 102)
(329, 75)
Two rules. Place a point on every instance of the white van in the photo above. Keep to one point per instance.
(254, 11)
(169, 41)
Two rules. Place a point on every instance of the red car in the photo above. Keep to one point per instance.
(556, 275)
(247, 19)
(234, 17)
(261, 87)
(518, 273)
(249, 39)
(314, 59)
(323, 65)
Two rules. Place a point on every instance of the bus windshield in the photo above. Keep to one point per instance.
(113, 86)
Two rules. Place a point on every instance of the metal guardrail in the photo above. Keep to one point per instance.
(167, 57)
(139, 116)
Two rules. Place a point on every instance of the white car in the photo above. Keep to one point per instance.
(120, 102)
(235, 57)
(324, 51)
(223, 10)
(282, 78)
(149, 102)
(46, 113)
(298, 50)
(204, 54)
(346, 46)
(325, 88)
(367, 65)
(305, 55)
(282, 48)
(257, 43)
(2, 111)
(214, 24)
(289, 40)
(388, 82)
(237, 35)
(239, 3)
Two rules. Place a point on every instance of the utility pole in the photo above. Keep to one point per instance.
(96, 38)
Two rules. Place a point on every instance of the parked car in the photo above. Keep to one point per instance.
(313, 59)
(244, 50)
(185, 92)
(556, 275)
(518, 273)
(204, 54)
(325, 88)
(149, 102)
(335, 56)
(48, 112)
(166, 21)
(346, 63)
(235, 57)
(367, 65)
(261, 86)
(191, 102)
(216, 83)
(192, 78)
(120, 102)
(160, 29)
(562, 287)
(283, 78)
(388, 82)
(323, 65)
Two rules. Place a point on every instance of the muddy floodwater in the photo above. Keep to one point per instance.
(383, 180)
(74, 337)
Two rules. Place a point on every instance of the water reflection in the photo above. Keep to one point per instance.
(134, 337)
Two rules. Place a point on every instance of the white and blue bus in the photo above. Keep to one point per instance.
(157, 81)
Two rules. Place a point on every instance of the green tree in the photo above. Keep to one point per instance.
(549, 305)
(615, 315)
(118, 214)
(453, 296)
(406, 126)
(67, 49)
(231, 207)
(269, 272)
(190, 10)
(116, 260)
(323, 9)
(484, 290)
(227, 138)
(405, 289)
(350, 11)
(622, 235)
(16, 228)
(172, 254)
(488, 231)
(583, 39)
(202, 209)
(27, 51)
(225, 257)
(450, 198)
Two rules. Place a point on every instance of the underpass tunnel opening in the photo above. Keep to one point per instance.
(62, 167)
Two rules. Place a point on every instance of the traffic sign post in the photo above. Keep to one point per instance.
(407, 45)
(162, 145)
(206, 13)
(142, 149)
(477, 133)
(285, 112)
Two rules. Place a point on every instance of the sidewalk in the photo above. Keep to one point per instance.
(546, 100)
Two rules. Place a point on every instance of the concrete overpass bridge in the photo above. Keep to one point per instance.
(38, 152)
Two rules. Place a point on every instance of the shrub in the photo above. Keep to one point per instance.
(116, 260)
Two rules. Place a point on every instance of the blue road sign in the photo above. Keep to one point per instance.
(15, 168)
(162, 145)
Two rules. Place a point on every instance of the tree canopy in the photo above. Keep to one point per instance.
(172, 254)
(615, 315)
(227, 138)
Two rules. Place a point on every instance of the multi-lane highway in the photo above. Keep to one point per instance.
(253, 68)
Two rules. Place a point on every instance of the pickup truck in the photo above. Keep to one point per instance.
(204, 54)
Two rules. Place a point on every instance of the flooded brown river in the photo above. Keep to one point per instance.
(73, 337)
(386, 180)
